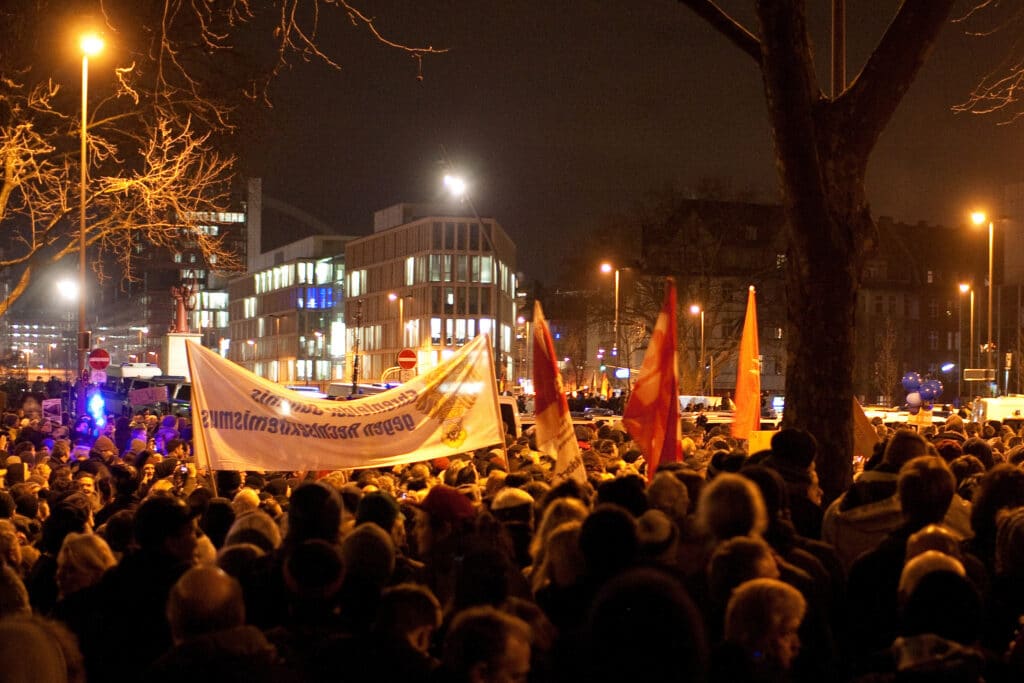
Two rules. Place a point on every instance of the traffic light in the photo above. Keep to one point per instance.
(603, 368)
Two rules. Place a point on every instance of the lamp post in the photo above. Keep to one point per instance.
(979, 218)
(964, 288)
(401, 318)
(91, 44)
(697, 310)
(608, 268)
(68, 290)
(355, 347)
(459, 188)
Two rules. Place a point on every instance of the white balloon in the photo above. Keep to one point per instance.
(914, 398)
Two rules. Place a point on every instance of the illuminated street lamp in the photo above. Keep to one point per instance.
(459, 188)
(608, 268)
(979, 218)
(90, 44)
(68, 290)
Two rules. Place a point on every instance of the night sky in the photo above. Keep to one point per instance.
(565, 113)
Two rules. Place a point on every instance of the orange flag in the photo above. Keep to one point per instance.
(864, 435)
(605, 388)
(748, 376)
(652, 414)
(555, 433)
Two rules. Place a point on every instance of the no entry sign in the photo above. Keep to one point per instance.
(407, 359)
(99, 359)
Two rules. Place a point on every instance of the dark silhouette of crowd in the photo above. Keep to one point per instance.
(123, 559)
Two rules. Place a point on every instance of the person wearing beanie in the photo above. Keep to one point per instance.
(793, 452)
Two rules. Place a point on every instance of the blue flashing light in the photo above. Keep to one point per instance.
(98, 410)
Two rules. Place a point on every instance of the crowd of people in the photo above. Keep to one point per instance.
(123, 559)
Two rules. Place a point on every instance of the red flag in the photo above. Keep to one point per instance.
(555, 433)
(748, 376)
(652, 414)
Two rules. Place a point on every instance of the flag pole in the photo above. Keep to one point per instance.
(201, 441)
(494, 393)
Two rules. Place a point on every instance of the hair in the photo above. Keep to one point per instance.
(926, 487)
(608, 539)
(903, 446)
(758, 609)
(314, 513)
(406, 607)
(731, 505)
(560, 510)
(1000, 488)
(737, 561)
(256, 527)
(204, 600)
(563, 560)
(34, 648)
(480, 635)
(81, 562)
(620, 643)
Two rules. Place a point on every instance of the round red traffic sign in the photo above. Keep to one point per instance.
(99, 359)
(407, 359)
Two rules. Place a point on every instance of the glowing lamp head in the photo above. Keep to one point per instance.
(978, 217)
(456, 185)
(91, 44)
(694, 309)
(606, 267)
(392, 297)
(964, 288)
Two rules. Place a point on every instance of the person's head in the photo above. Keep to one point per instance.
(176, 448)
(82, 561)
(619, 643)
(1009, 555)
(255, 527)
(1000, 488)
(380, 508)
(164, 524)
(763, 617)
(204, 600)
(314, 512)
(409, 612)
(737, 561)
(34, 648)
(485, 645)
(442, 513)
(731, 505)
(369, 556)
(608, 540)
(903, 446)
(926, 487)
(980, 449)
(942, 602)
(921, 565)
(86, 483)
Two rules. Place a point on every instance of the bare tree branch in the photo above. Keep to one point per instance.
(734, 31)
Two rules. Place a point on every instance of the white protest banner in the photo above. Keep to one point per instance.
(242, 421)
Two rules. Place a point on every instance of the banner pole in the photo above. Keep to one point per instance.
(198, 426)
(497, 404)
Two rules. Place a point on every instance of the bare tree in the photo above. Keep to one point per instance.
(822, 146)
(159, 159)
(998, 92)
(887, 367)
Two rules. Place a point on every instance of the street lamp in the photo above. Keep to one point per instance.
(964, 289)
(68, 290)
(90, 44)
(608, 268)
(459, 188)
(979, 218)
(401, 318)
(697, 310)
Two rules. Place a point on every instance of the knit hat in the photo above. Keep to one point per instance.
(445, 503)
(103, 444)
(927, 562)
(793, 453)
(508, 498)
(656, 532)
(137, 446)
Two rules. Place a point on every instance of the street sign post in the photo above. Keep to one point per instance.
(407, 359)
(99, 359)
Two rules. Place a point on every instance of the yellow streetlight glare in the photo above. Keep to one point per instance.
(392, 296)
(455, 184)
(607, 267)
(91, 44)
(964, 288)
(68, 289)
(694, 309)
(978, 217)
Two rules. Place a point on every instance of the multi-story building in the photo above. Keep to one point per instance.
(286, 315)
(430, 280)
